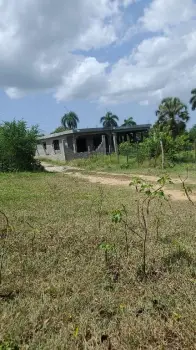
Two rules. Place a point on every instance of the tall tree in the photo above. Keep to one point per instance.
(193, 99)
(192, 133)
(59, 129)
(173, 114)
(129, 122)
(70, 120)
(109, 120)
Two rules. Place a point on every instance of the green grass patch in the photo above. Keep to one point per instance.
(58, 290)
(113, 163)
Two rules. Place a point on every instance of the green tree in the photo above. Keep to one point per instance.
(17, 146)
(109, 120)
(70, 120)
(193, 99)
(59, 129)
(129, 122)
(192, 133)
(174, 114)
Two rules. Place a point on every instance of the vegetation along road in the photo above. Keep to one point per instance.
(116, 179)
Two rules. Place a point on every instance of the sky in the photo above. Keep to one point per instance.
(91, 57)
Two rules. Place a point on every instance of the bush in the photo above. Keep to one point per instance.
(138, 151)
(18, 146)
(126, 148)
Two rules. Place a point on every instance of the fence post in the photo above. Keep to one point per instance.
(195, 149)
(137, 154)
(162, 154)
(110, 152)
(118, 160)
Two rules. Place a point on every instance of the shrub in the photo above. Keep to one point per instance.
(17, 146)
(126, 148)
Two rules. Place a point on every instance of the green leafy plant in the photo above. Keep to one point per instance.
(8, 345)
(126, 148)
(146, 194)
(187, 189)
(17, 146)
(111, 261)
(108, 250)
(117, 217)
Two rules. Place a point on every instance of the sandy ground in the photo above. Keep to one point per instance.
(113, 179)
(57, 168)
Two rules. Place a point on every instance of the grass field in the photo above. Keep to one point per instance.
(67, 280)
(119, 164)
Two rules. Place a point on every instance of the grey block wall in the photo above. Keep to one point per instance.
(66, 149)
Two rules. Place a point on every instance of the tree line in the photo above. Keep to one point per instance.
(171, 113)
(18, 142)
(70, 121)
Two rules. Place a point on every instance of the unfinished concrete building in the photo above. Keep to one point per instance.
(81, 143)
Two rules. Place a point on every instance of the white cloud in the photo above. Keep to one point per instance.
(13, 92)
(161, 65)
(163, 13)
(41, 46)
(86, 79)
(39, 39)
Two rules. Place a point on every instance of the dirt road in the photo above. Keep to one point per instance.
(113, 179)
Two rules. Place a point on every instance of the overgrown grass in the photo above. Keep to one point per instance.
(114, 163)
(57, 290)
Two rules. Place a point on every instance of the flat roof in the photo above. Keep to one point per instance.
(139, 127)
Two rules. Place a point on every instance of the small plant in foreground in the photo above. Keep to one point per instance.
(108, 249)
(3, 238)
(111, 260)
(146, 194)
(8, 345)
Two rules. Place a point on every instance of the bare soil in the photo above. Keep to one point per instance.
(114, 179)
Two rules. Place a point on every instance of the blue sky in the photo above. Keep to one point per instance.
(91, 57)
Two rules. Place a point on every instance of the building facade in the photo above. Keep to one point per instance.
(81, 143)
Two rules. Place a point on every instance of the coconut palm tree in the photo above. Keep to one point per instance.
(174, 114)
(70, 120)
(193, 99)
(109, 120)
(129, 122)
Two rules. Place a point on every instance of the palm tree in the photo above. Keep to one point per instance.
(70, 120)
(109, 120)
(174, 114)
(193, 99)
(129, 122)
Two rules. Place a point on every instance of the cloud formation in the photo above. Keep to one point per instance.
(164, 63)
(52, 47)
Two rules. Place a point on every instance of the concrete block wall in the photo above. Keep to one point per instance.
(102, 147)
(40, 151)
(66, 152)
(50, 153)
(69, 154)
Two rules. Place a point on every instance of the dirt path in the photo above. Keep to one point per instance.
(150, 178)
(114, 179)
(174, 194)
(57, 168)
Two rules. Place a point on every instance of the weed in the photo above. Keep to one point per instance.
(8, 345)
(146, 194)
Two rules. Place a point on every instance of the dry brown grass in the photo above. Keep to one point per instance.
(57, 291)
